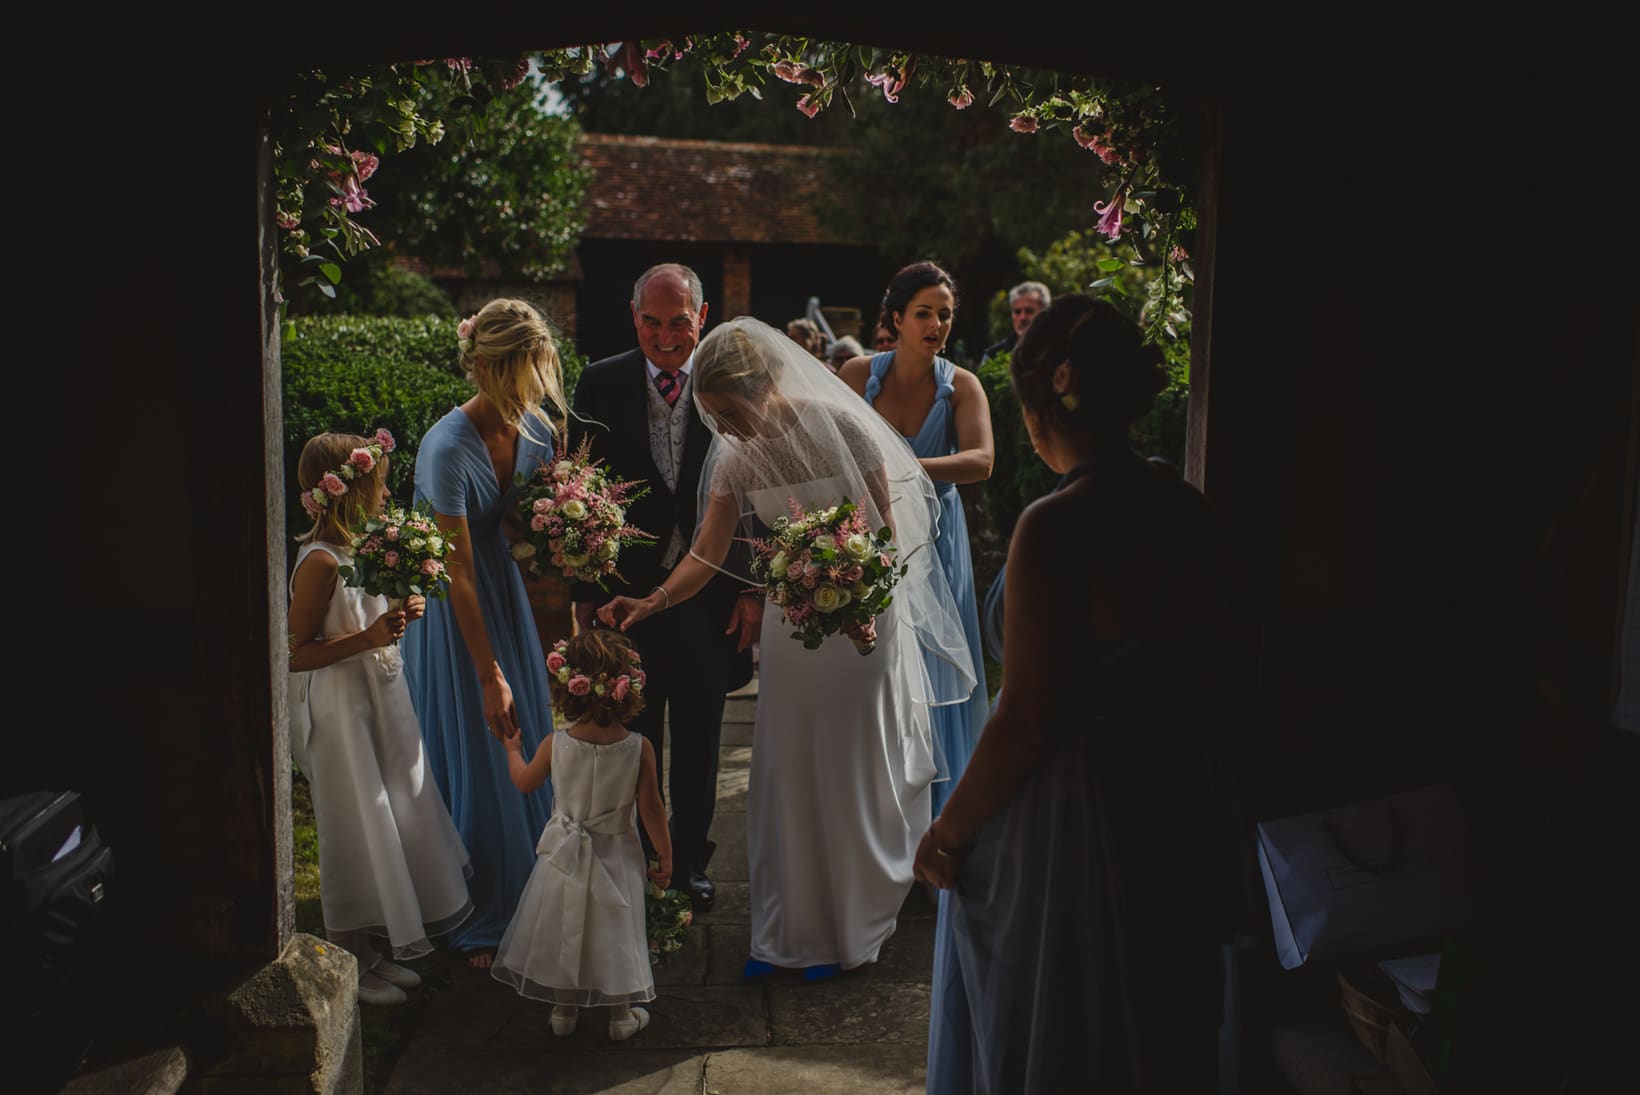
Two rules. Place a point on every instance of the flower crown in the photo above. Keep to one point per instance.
(580, 683)
(464, 333)
(334, 484)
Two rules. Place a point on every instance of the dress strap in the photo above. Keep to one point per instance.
(945, 375)
(879, 368)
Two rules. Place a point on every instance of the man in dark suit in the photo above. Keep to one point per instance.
(638, 409)
(1025, 300)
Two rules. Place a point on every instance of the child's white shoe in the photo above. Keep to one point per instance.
(622, 1029)
(373, 990)
(395, 974)
(563, 1019)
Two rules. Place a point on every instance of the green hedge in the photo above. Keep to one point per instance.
(352, 374)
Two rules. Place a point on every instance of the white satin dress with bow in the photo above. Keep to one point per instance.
(578, 935)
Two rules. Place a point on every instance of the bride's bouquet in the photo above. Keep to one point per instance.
(828, 572)
(400, 551)
(574, 514)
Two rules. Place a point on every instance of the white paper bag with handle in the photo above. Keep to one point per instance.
(1370, 874)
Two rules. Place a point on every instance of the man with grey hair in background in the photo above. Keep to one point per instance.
(638, 409)
(1025, 300)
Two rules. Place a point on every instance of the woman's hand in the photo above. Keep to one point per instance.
(937, 868)
(660, 873)
(415, 607)
(500, 717)
(623, 612)
(385, 629)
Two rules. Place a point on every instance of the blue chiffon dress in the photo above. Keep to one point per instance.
(498, 825)
(956, 726)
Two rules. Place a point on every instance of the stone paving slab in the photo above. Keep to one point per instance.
(521, 1072)
(850, 1009)
(683, 1017)
(729, 861)
(733, 783)
(895, 1069)
(733, 904)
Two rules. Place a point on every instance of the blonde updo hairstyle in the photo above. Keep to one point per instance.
(1114, 373)
(595, 653)
(514, 362)
(728, 364)
(325, 453)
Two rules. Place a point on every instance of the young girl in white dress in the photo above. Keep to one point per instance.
(390, 861)
(578, 938)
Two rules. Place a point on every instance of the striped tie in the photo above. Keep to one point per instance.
(669, 386)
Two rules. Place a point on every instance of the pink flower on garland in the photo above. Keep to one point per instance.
(1110, 214)
(555, 662)
(619, 689)
(362, 461)
(385, 440)
(1022, 123)
(962, 99)
(333, 484)
(579, 685)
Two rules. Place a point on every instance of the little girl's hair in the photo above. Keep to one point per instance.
(596, 675)
(322, 456)
(509, 354)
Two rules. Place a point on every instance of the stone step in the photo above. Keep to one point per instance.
(161, 1072)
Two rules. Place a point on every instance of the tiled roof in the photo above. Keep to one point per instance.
(655, 188)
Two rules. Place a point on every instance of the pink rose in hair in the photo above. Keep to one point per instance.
(464, 329)
(641, 678)
(310, 504)
(333, 485)
(619, 689)
(362, 461)
(555, 662)
(391, 559)
(385, 440)
(579, 685)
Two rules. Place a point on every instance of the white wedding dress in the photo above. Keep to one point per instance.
(839, 790)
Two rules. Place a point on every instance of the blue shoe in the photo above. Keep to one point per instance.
(755, 969)
(820, 973)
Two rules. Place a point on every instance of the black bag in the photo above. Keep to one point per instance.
(58, 880)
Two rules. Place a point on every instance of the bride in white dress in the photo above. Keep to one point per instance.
(842, 750)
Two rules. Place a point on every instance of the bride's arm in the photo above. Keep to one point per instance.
(694, 570)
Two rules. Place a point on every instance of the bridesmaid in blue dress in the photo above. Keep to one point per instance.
(1086, 859)
(475, 665)
(942, 412)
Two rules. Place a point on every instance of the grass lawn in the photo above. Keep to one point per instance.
(386, 1030)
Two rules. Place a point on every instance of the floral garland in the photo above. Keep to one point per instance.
(580, 683)
(334, 484)
(464, 333)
